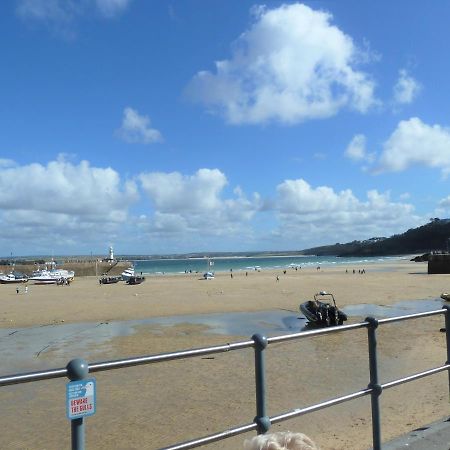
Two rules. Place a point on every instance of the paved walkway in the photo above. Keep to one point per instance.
(435, 436)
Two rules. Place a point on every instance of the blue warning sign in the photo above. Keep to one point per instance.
(80, 398)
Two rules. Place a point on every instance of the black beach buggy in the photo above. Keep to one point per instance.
(322, 313)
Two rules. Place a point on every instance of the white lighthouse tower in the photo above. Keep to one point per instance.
(111, 254)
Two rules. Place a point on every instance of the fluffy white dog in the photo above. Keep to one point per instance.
(282, 440)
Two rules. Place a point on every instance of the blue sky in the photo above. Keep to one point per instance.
(213, 125)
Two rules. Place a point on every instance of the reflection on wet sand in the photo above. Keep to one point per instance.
(36, 347)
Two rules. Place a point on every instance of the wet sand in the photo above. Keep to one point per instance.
(161, 404)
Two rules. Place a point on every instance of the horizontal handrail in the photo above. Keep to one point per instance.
(122, 363)
(311, 333)
(119, 364)
(416, 376)
(412, 316)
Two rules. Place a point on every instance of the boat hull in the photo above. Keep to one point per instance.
(55, 276)
(135, 280)
(127, 274)
(322, 314)
(110, 280)
(43, 281)
(308, 313)
(15, 281)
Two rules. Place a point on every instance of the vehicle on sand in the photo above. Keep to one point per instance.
(322, 313)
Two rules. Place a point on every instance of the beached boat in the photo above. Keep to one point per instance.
(53, 276)
(135, 280)
(127, 273)
(110, 280)
(209, 274)
(323, 313)
(13, 277)
(445, 296)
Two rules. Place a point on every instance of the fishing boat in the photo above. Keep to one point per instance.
(52, 276)
(322, 313)
(209, 274)
(127, 273)
(13, 277)
(109, 280)
(135, 280)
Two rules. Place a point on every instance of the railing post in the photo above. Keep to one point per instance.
(77, 370)
(374, 384)
(447, 336)
(261, 419)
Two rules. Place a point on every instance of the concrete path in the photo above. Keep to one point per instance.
(435, 436)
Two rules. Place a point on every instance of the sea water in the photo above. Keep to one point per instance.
(200, 265)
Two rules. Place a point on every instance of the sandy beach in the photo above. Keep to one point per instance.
(158, 405)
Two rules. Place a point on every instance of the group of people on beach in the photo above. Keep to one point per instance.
(359, 271)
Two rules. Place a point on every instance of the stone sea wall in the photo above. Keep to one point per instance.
(439, 263)
(81, 268)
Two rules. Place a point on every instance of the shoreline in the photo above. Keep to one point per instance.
(180, 294)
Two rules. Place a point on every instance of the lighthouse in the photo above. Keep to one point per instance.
(111, 253)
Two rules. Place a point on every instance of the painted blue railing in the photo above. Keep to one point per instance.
(79, 369)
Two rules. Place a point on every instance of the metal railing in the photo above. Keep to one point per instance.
(79, 369)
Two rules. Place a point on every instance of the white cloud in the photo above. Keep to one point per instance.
(65, 11)
(291, 65)
(48, 10)
(110, 8)
(60, 187)
(174, 192)
(194, 203)
(323, 215)
(445, 202)
(416, 143)
(356, 150)
(62, 205)
(443, 208)
(4, 163)
(136, 129)
(406, 89)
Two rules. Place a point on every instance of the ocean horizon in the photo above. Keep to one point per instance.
(250, 263)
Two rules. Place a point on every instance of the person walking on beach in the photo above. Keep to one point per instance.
(17, 289)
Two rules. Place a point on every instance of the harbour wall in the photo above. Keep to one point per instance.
(439, 263)
(81, 268)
